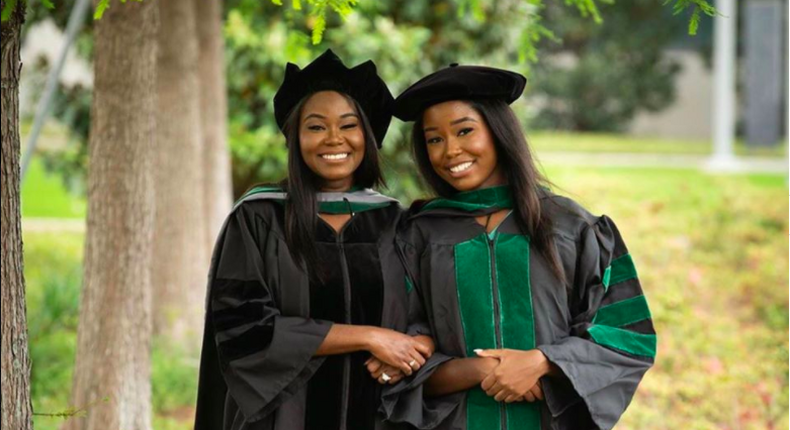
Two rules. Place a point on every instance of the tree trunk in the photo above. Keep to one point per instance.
(15, 367)
(113, 346)
(180, 261)
(214, 116)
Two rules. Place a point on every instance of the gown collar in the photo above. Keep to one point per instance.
(483, 199)
(356, 199)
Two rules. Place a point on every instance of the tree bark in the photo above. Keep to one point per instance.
(15, 367)
(181, 260)
(115, 325)
(214, 114)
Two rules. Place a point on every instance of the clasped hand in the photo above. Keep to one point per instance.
(400, 355)
(516, 377)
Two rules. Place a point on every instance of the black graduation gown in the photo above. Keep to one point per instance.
(496, 291)
(265, 320)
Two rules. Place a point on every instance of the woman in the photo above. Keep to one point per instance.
(305, 275)
(534, 304)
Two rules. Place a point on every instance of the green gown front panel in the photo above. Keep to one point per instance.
(495, 302)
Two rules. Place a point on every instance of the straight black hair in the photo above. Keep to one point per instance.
(302, 186)
(518, 166)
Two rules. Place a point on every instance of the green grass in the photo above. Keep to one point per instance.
(45, 196)
(710, 251)
(602, 142)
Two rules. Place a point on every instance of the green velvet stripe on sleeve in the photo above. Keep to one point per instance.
(621, 270)
(623, 313)
(633, 343)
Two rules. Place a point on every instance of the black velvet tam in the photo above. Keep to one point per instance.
(458, 83)
(327, 72)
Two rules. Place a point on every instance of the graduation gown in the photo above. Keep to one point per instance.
(479, 290)
(265, 318)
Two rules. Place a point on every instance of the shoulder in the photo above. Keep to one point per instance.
(266, 213)
(569, 218)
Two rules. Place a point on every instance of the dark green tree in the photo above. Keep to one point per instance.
(597, 77)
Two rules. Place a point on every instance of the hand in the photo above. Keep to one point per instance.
(428, 342)
(484, 366)
(516, 376)
(398, 350)
(377, 369)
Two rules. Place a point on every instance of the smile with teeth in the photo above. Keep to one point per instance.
(335, 156)
(461, 167)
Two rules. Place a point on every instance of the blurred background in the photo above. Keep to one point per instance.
(629, 116)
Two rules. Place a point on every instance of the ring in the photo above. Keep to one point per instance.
(385, 377)
(412, 363)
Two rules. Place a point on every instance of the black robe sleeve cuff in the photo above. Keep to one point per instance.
(406, 401)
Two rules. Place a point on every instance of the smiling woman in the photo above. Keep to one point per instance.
(307, 296)
(534, 303)
(332, 139)
(460, 147)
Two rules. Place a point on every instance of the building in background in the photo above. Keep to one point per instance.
(762, 78)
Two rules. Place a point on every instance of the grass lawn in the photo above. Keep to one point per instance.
(711, 254)
(45, 196)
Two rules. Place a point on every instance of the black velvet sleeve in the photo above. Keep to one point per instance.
(264, 356)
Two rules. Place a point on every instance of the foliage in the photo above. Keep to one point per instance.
(174, 375)
(408, 40)
(599, 76)
(405, 39)
(697, 8)
(53, 274)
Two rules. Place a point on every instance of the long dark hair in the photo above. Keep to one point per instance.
(515, 159)
(302, 184)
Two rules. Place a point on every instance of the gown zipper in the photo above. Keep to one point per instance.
(497, 311)
(347, 320)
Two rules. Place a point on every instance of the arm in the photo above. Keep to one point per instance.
(611, 343)
(458, 375)
(401, 351)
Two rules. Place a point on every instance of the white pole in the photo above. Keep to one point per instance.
(76, 20)
(724, 66)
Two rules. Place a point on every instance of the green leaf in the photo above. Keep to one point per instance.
(297, 4)
(461, 8)
(694, 22)
(318, 28)
(478, 12)
(8, 9)
(100, 8)
(277, 2)
(48, 4)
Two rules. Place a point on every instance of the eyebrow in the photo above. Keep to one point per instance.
(453, 122)
(345, 115)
